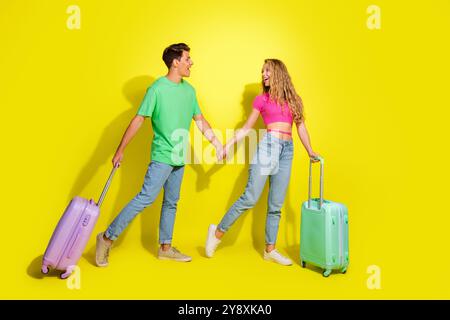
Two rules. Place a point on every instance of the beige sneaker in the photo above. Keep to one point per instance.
(277, 257)
(102, 251)
(173, 254)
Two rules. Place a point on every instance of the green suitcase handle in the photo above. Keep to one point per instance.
(320, 159)
(321, 181)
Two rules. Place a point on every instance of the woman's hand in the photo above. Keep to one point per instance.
(314, 156)
(226, 150)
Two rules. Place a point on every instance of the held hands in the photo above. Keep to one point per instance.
(226, 150)
(222, 152)
(219, 149)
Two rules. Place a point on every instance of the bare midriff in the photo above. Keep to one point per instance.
(281, 130)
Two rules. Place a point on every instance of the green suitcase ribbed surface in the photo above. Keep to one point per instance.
(324, 235)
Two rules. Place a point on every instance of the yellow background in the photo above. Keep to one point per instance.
(376, 103)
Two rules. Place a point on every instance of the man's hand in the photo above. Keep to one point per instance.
(132, 129)
(220, 153)
(226, 150)
(117, 159)
(219, 149)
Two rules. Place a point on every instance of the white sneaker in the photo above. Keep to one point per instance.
(211, 241)
(275, 256)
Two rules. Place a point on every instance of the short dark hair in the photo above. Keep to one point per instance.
(174, 51)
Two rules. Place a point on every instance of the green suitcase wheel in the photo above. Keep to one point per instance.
(326, 273)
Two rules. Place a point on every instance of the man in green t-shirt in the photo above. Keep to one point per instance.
(171, 103)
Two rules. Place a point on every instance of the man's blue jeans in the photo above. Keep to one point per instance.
(272, 159)
(158, 175)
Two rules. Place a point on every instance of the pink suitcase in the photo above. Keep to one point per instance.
(72, 233)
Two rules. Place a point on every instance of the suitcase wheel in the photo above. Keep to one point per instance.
(344, 270)
(67, 273)
(303, 263)
(326, 273)
(44, 269)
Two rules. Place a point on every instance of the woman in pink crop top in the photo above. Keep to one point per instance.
(280, 106)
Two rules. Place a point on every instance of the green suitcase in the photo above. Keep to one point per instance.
(324, 231)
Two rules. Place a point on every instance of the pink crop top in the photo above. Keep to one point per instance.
(271, 111)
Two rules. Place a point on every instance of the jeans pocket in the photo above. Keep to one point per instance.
(288, 152)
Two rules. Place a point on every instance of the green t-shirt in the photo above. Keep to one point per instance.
(171, 107)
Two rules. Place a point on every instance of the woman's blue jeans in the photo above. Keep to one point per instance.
(273, 159)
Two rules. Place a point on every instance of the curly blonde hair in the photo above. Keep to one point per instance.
(281, 89)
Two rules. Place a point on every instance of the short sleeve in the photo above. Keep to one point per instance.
(258, 103)
(196, 107)
(148, 103)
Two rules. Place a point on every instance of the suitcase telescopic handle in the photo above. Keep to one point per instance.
(321, 182)
(105, 189)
